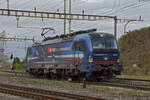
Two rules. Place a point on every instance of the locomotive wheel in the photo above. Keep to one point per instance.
(81, 76)
(92, 79)
(54, 76)
(31, 71)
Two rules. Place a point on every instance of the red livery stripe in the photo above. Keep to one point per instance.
(106, 63)
(73, 59)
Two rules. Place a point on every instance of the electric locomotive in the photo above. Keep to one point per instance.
(84, 53)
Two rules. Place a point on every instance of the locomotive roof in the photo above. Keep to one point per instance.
(69, 37)
(51, 41)
(104, 34)
(57, 40)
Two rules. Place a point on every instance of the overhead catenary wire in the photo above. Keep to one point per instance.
(61, 1)
(112, 9)
(135, 6)
(55, 6)
(118, 7)
(129, 6)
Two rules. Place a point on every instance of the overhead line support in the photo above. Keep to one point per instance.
(52, 15)
(70, 19)
(64, 16)
(16, 39)
(127, 21)
(7, 4)
(115, 27)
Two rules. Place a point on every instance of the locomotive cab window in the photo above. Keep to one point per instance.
(79, 46)
(106, 42)
(29, 52)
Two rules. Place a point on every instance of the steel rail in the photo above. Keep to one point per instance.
(48, 92)
(143, 88)
(28, 94)
(132, 79)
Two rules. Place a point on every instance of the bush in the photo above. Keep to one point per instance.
(18, 65)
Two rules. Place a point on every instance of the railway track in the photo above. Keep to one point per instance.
(111, 84)
(14, 72)
(18, 74)
(40, 94)
(28, 95)
(27, 75)
(143, 88)
(125, 79)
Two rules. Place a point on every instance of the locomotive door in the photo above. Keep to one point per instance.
(75, 54)
(79, 48)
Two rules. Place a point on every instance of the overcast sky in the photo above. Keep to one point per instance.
(131, 9)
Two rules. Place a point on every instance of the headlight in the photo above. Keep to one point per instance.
(90, 58)
(118, 61)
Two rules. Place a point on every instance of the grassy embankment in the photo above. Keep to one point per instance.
(135, 54)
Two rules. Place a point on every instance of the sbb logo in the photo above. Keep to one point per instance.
(105, 58)
(49, 50)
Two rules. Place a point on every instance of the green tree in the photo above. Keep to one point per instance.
(18, 65)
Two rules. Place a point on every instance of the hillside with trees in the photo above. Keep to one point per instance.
(135, 52)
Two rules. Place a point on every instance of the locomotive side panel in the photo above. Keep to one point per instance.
(59, 53)
(55, 58)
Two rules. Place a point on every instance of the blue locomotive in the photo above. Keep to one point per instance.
(84, 53)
